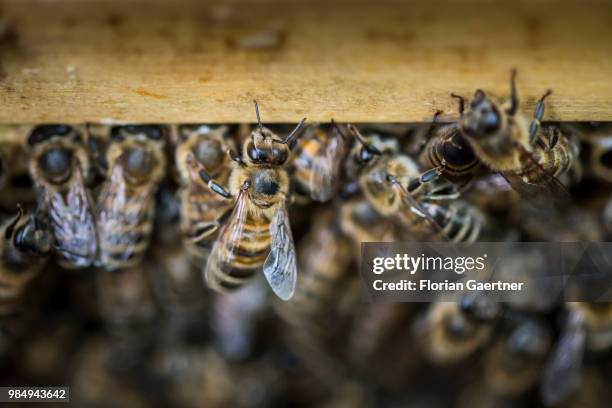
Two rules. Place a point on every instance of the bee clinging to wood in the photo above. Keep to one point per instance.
(393, 183)
(317, 160)
(126, 202)
(201, 208)
(503, 139)
(60, 168)
(257, 232)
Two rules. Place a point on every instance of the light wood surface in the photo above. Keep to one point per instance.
(164, 61)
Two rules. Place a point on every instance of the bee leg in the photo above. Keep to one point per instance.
(446, 191)
(513, 94)
(461, 100)
(553, 137)
(429, 131)
(537, 117)
(426, 177)
(214, 186)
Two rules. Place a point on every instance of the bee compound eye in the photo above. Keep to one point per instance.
(56, 163)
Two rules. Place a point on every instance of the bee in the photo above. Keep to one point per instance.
(506, 143)
(202, 210)
(325, 279)
(588, 326)
(597, 140)
(316, 163)
(59, 166)
(258, 231)
(394, 185)
(25, 244)
(453, 331)
(514, 363)
(126, 204)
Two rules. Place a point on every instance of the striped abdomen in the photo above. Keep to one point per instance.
(455, 221)
(556, 162)
(201, 216)
(452, 152)
(303, 162)
(240, 257)
(125, 223)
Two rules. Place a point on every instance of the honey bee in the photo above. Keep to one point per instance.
(258, 231)
(506, 143)
(59, 166)
(597, 140)
(126, 202)
(317, 306)
(316, 163)
(454, 330)
(24, 245)
(202, 209)
(588, 327)
(394, 185)
(514, 363)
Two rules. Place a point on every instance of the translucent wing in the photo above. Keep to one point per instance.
(124, 219)
(562, 372)
(280, 266)
(73, 223)
(223, 252)
(544, 185)
(325, 168)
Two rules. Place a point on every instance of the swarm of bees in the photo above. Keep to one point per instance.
(135, 252)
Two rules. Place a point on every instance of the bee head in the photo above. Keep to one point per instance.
(55, 159)
(483, 118)
(138, 164)
(264, 147)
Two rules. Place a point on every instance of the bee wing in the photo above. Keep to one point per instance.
(546, 185)
(562, 372)
(224, 249)
(121, 214)
(325, 169)
(73, 223)
(280, 266)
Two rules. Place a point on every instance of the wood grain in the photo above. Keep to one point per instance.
(117, 61)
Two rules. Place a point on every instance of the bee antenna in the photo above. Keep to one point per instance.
(335, 126)
(362, 139)
(513, 94)
(293, 133)
(257, 114)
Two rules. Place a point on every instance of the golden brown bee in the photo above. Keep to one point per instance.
(257, 232)
(505, 142)
(454, 330)
(316, 162)
(588, 326)
(24, 246)
(59, 166)
(202, 209)
(126, 203)
(315, 315)
(597, 139)
(514, 363)
(393, 184)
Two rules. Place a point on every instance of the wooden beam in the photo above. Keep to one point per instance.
(161, 61)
